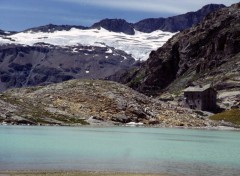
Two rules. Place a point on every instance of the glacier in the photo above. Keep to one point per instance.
(138, 45)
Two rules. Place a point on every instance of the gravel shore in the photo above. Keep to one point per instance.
(72, 173)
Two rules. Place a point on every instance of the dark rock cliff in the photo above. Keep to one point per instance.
(205, 53)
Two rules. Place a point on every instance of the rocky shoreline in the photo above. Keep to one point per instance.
(109, 124)
(73, 173)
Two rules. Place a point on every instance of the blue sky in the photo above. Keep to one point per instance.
(22, 14)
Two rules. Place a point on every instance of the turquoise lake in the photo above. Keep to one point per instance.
(146, 150)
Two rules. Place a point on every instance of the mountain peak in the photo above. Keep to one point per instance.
(115, 25)
(207, 9)
(213, 6)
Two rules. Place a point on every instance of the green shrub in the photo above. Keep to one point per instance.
(232, 116)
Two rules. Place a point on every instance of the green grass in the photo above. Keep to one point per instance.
(232, 116)
(41, 114)
(137, 80)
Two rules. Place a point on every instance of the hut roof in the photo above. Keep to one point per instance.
(197, 88)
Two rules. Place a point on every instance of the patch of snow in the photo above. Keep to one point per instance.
(134, 124)
(106, 57)
(87, 71)
(99, 44)
(109, 51)
(138, 45)
(228, 94)
(6, 40)
(75, 50)
(4, 123)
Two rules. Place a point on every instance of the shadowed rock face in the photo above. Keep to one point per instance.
(206, 53)
(42, 64)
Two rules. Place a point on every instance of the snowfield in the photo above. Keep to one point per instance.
(139, 45)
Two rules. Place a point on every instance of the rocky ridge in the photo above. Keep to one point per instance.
(176, 23)
(170, 24)
(95, 102)
(53, 28)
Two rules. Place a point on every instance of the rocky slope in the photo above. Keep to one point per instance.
(41, 64)
(205, 53)
(77, 102)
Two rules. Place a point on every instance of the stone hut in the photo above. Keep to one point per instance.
(200, 98)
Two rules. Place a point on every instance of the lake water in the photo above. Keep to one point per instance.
(147, 150)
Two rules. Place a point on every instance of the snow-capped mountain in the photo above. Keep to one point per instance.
(55, 53)
(138, 45)
(36, 57)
